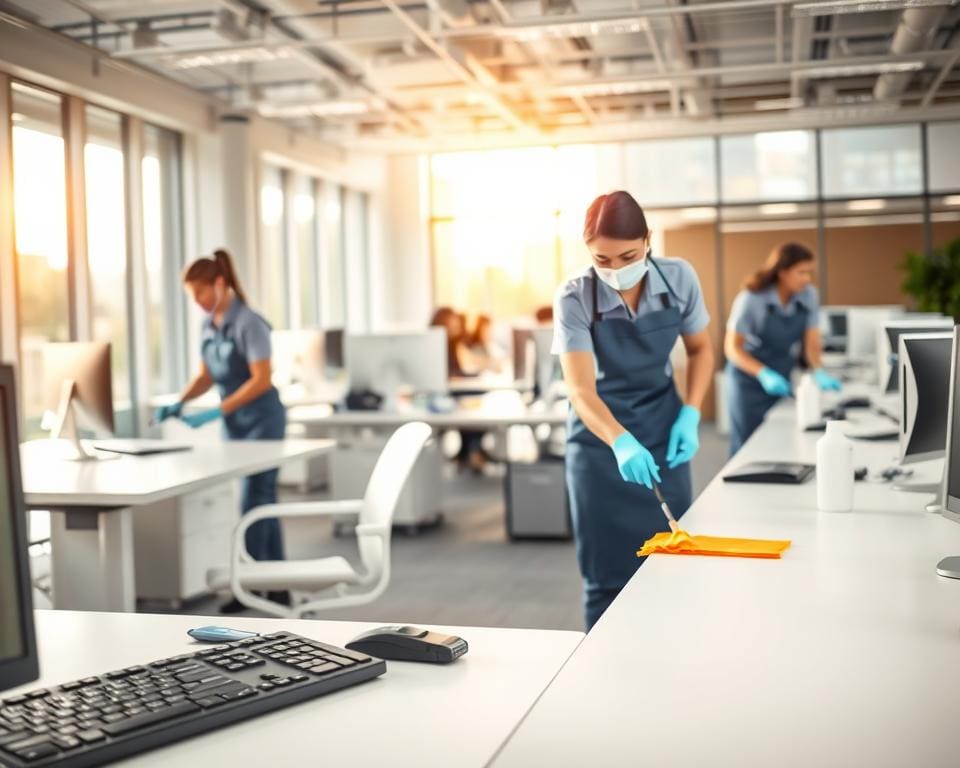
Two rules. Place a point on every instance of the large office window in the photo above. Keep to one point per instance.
(506, 225)
(871, 162)
(306, 231)
(106, 242)
(40, 216)
(333, 305)
(356, 255)
(779, 165)
(163, 252)
(672, 172)
(273, 272)
(943, 159)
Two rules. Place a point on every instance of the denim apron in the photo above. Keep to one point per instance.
(611, 517)
(263, 419)
(747, 403)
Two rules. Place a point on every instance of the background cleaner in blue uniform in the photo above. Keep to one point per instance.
(614, 328)
(773, 323)
(235, 353)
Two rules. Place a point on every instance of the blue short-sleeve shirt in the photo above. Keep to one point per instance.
(749, 310)
(573, 305)
(245, 328)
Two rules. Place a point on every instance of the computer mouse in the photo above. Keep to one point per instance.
(409, 644)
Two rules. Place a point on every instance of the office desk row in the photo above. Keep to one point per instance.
(845, 652)
(92, 505)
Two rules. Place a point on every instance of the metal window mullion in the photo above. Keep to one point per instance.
(316, 260)
(173, 171)
(9, 299)
(291, 251)
(363, 199)
(138, 303)
(925, 176)
(79, 293)
(342, 256)
(821, 219)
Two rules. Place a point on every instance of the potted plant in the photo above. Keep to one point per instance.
(934, 281)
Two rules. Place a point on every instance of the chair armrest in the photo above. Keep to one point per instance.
(304, 509)
(372, 529)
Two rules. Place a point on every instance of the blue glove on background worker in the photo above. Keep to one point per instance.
(826, 382)
(165, 412)
(197, 420)
(773, 383)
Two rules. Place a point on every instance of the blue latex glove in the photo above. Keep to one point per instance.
(684, 437)
(636, 463)
(197, 420)
(826, 382)
(165, 412)
(773, 383)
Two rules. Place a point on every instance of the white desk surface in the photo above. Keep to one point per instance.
(416, 715)
(462, 418)
(133, 480)
(845, 652)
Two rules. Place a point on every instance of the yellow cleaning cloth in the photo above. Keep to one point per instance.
(682, 543)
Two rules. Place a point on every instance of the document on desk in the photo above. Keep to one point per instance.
(682, 543)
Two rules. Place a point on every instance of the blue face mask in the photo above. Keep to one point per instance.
(625, 278)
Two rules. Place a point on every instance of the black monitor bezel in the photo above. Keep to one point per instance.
(14, 672)
(951, 505)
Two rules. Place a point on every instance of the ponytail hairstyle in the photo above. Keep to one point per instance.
(781, 258)
(207, 270)
(617, 216)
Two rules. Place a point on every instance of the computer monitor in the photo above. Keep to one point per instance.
(862, 325)
(524, 355)
(386, 362)
(950, 566)
(833, 328)
(333, 349)
(18, 649)
(548, 364)
(297, 357)
(888, 335)
(924, 361)
(77, 384)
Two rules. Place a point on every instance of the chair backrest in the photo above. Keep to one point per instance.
(390, 474)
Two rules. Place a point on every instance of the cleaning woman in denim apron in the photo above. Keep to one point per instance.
(236, 358)
(615, 327)
(773, 318)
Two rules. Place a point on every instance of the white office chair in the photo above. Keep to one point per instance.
(332, 581)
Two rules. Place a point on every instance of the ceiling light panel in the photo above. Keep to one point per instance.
(530, 33)
(835, 7)
(856, 70)
(229, 56)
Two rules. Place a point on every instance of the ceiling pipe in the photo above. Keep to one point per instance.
(914, 33)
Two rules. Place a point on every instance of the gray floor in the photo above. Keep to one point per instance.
(467, 572)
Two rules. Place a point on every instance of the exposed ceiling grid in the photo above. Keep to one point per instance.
(398, 72)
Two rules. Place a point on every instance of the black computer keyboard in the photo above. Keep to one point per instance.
(99, 719)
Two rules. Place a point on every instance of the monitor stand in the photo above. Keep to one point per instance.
(65, 427)
(949, 567)
(935, 506)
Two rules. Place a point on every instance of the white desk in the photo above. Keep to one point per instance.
(414, 716)
(461, 418)
(92, 502)
(845, 652)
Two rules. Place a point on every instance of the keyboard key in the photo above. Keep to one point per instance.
(14, 700)
(142, 721)
(242, 693)
(66, 742)
(299, 678)
(12, 736)
(266, 686)
(37, 752)
(115, 717)
(92, 736)
(324, 668)
(209, 702)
